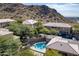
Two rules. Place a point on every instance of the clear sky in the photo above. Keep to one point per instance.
(66, 9)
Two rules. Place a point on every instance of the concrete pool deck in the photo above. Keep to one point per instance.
(36, 53)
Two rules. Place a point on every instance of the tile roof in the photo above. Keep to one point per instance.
(65, 45)
(52, 24)
(4, 31)
(6, 20)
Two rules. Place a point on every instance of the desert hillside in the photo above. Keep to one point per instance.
(37, 12)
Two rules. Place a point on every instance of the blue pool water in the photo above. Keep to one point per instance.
(40, 46)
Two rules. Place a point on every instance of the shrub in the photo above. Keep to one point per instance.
(51, 52)
(25, 52)
(9, 46)
(54, 32)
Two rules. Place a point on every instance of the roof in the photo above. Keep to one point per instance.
(6, 20)
(64, 45)
(29, 21)
(4, 31)
(47, 36)
(52, 24)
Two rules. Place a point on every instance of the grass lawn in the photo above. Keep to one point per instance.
(52, 52)
(25, 52)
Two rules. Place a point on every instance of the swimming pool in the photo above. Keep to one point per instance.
(39, 46)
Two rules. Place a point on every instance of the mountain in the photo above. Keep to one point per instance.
(74, 19)
(37, 12)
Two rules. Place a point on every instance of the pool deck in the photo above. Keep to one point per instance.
(42, 51)
(36, 53)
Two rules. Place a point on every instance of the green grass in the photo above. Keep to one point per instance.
(52, 52)
(25, 52)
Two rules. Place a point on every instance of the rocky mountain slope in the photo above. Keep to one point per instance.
(74, 19)
(37, 12)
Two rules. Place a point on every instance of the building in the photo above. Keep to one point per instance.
(63, 28)
(5, 33)
(29, 22)
(65, 46)
(5, 22)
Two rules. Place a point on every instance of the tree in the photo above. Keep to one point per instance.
(20, 29)
(15, 27)
(76, 27)
(12, 47)
(45, 31)
(25, 52)
(19, 20)
(38, 26)
(75, 31)
(9, 46)
(23, 31)
(41, 29)
(54, 31)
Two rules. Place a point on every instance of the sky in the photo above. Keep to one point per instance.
(66, 9)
